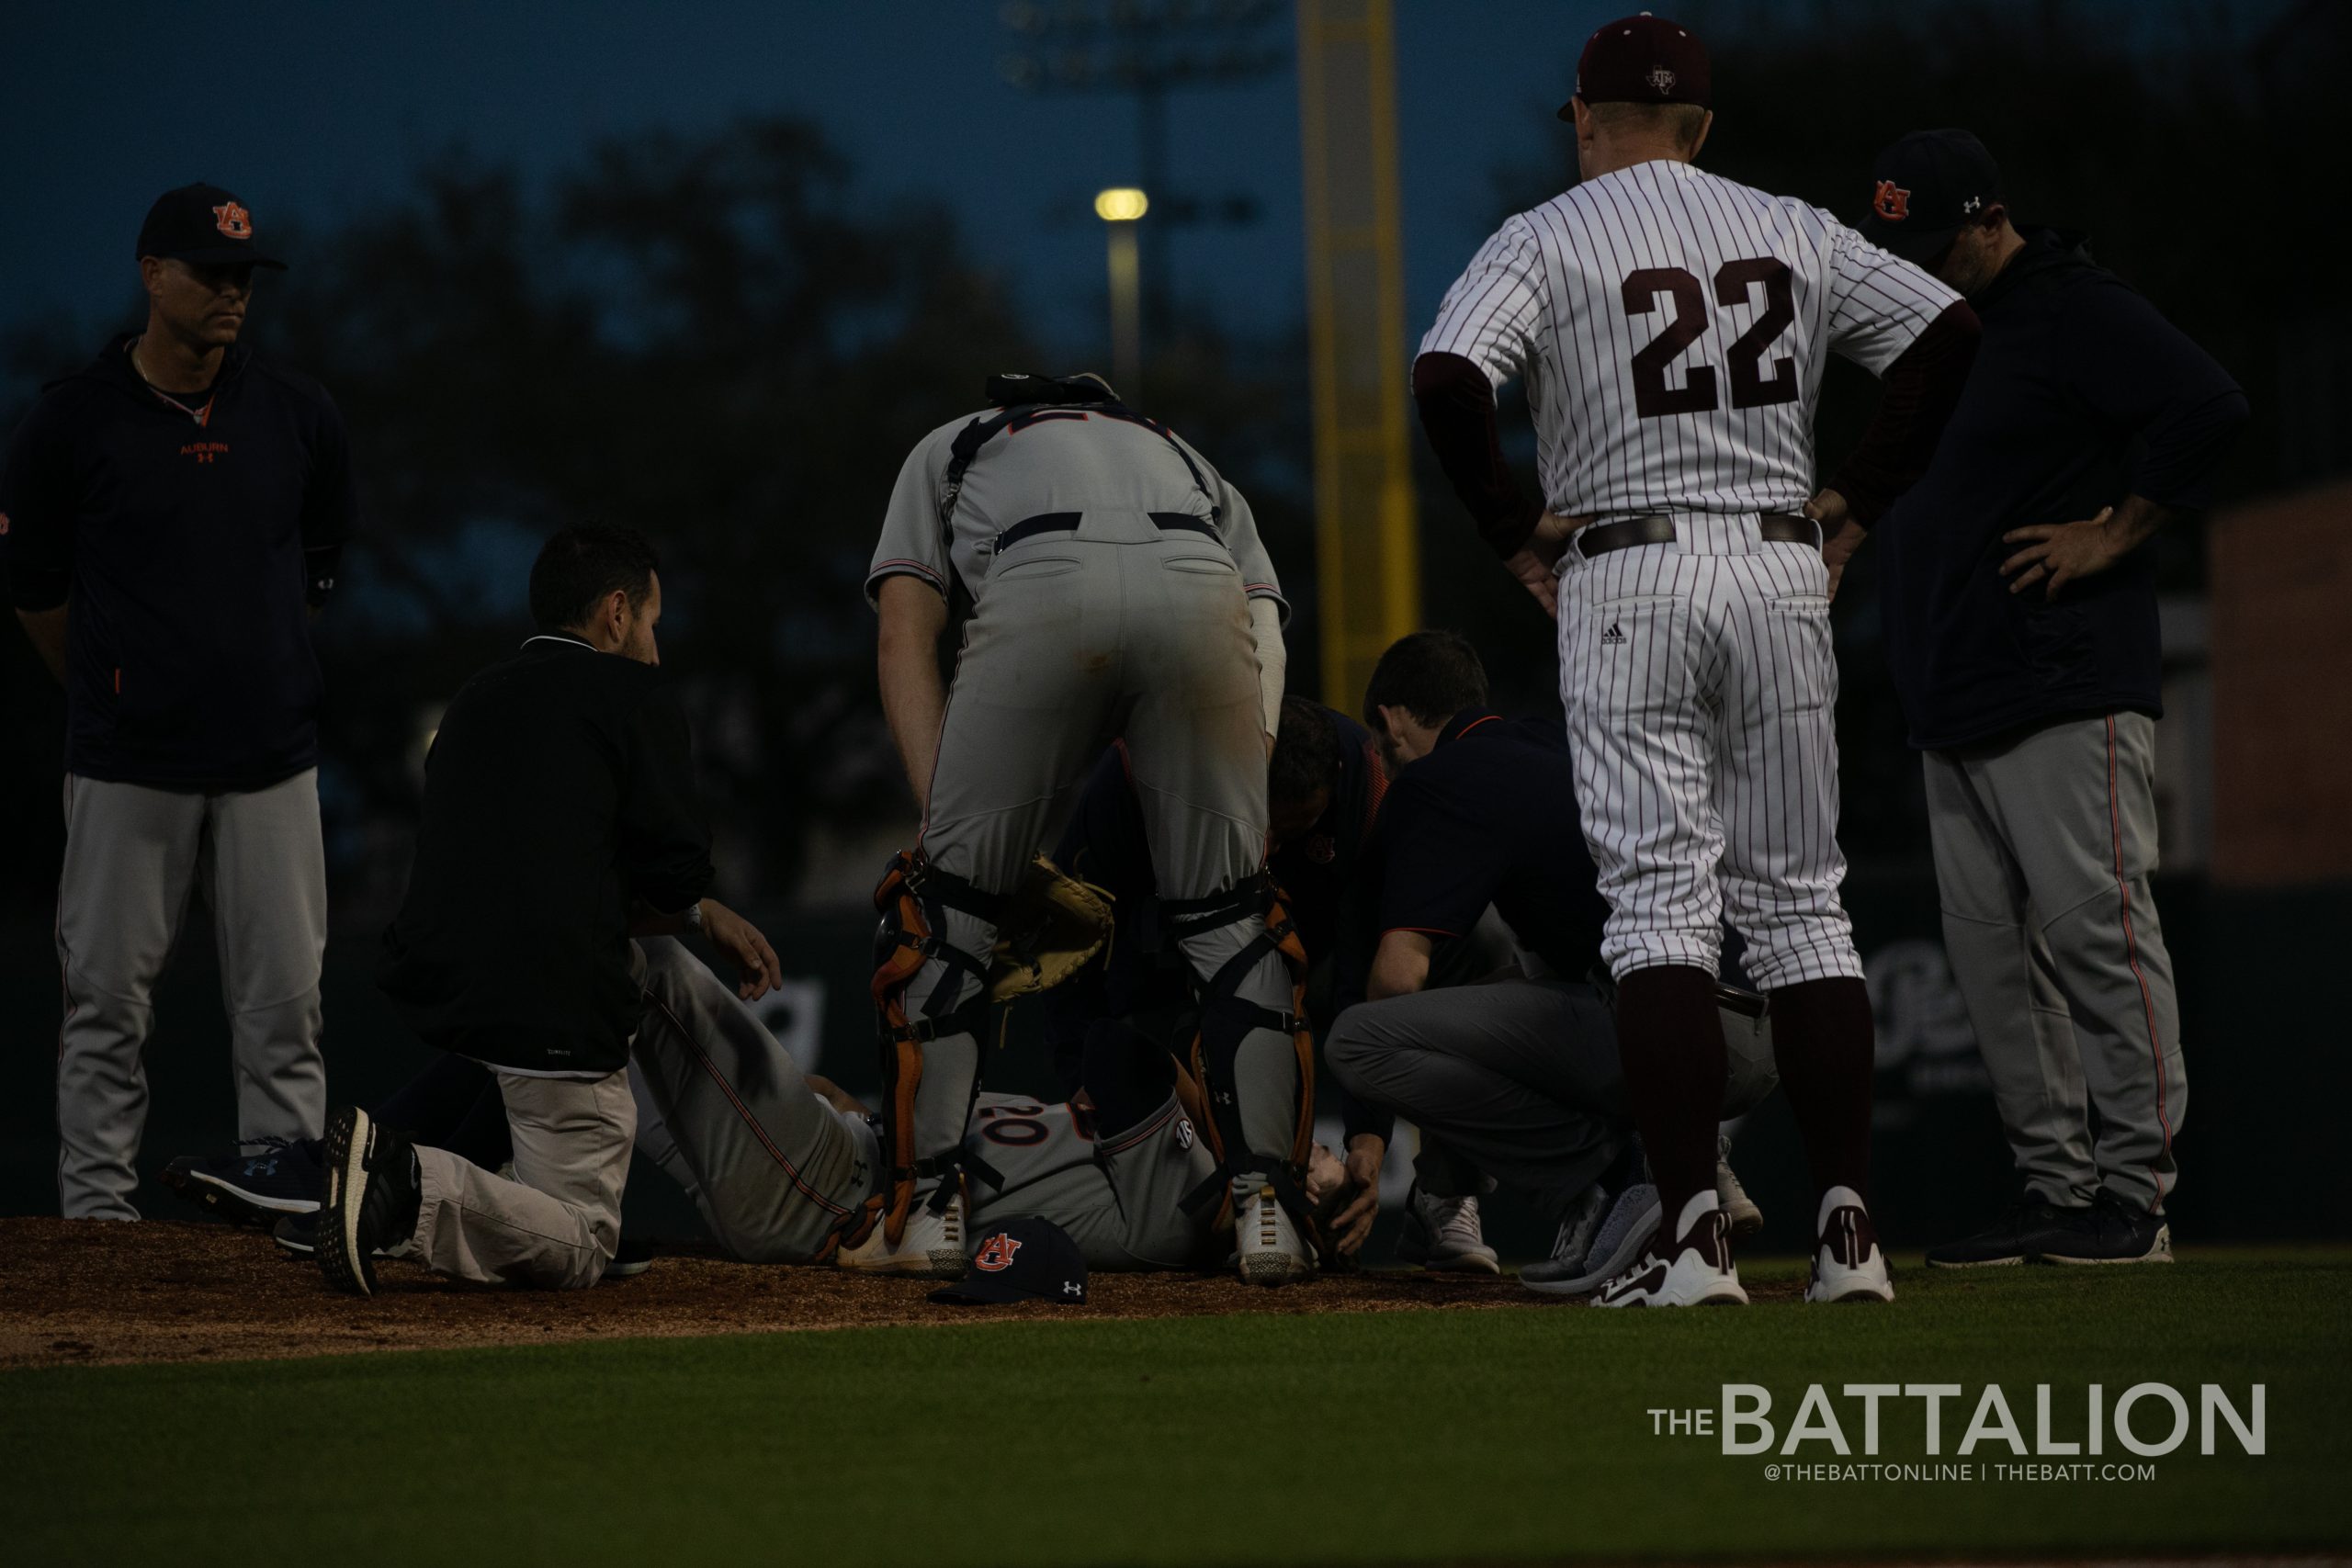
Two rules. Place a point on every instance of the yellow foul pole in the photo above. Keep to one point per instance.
(1368, 566)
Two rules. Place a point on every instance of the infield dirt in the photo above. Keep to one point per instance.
(87, 1292)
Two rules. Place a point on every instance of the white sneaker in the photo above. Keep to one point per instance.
(1847, 1264)
(1694, 1270)
(1443, 1235)
(1266, 1244)
(1739, 1209)
(932, 1248)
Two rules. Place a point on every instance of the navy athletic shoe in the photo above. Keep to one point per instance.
(2025, 1229)
(373, 1196)
(2111, 1231)
(269, 1179)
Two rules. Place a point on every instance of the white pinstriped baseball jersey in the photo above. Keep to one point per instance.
(1672, 328)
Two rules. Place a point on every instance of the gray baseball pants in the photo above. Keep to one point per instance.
(1520, 1081)
(1115, 632)
(2045, 842)
(133, 855)
(724, 1110)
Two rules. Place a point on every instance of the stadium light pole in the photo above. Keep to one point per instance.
(1120, 208)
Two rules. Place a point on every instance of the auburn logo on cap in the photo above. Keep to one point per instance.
(1892, 203)
(996, 1253)
(234, 220)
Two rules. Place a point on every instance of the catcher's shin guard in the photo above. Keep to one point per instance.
(1227, 1019)
(912, 901)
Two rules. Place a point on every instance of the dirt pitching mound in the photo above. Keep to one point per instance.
(90, 1292)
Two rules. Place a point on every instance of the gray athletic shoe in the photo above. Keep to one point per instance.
(1738, 1208)
(1631, 1222)
(1443, 1235)
(1571, 1242)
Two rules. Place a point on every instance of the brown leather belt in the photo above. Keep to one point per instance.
(1599, 539)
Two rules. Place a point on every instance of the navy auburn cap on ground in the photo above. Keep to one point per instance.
(1641, 60)
(1924, 188)
(1024, 1259)
(204, 224)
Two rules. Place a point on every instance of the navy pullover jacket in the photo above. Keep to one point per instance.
(2081, 395)
(186, 549)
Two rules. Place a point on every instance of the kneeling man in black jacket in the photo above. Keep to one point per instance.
(559, 821)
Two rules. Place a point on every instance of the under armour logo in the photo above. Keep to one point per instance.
(1614, 637)
(261, 1166)
(1072, 1288)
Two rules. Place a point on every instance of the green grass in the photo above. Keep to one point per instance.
(1499, 1436)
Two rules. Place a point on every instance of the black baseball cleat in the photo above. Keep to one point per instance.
(2026, 1229)
(372, 1198)
(297, 1236)
(267, 1178)
(634, 1257)
(2111, 1231)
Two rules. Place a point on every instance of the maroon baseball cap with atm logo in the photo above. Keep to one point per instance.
(1641, 60)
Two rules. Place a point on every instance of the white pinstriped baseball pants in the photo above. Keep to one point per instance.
(1701, 692)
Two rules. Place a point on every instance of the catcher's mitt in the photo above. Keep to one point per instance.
(1055, 927)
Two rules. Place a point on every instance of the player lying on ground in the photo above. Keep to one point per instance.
(1119, 592)
(1516, 1081)
(773, 1157)
(1324, 783)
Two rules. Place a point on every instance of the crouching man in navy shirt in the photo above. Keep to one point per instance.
(1515, 1081)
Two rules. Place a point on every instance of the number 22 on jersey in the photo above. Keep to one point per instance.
(1735, 283)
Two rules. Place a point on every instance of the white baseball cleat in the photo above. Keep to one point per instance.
(931, 1249)
(1846, 1263)
(1694, 1270)
(1266, 1243)
(1739, 1209)
(1443, 1235)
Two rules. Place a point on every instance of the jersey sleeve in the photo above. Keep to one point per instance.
(1494, 311)
(1879, 303)
(37, 505)
(1438, 872)
(913, 542)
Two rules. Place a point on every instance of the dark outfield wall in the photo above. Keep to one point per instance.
(2260, 1151)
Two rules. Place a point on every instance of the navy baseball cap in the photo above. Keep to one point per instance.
(203, 224)
(1025, 1259)
(1925, 188)
(1641, 60)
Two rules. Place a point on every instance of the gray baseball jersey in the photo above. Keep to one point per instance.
(1119, 1197)
(1672, 328)
(1060, 460)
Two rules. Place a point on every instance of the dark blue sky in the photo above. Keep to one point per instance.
(313, 110)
